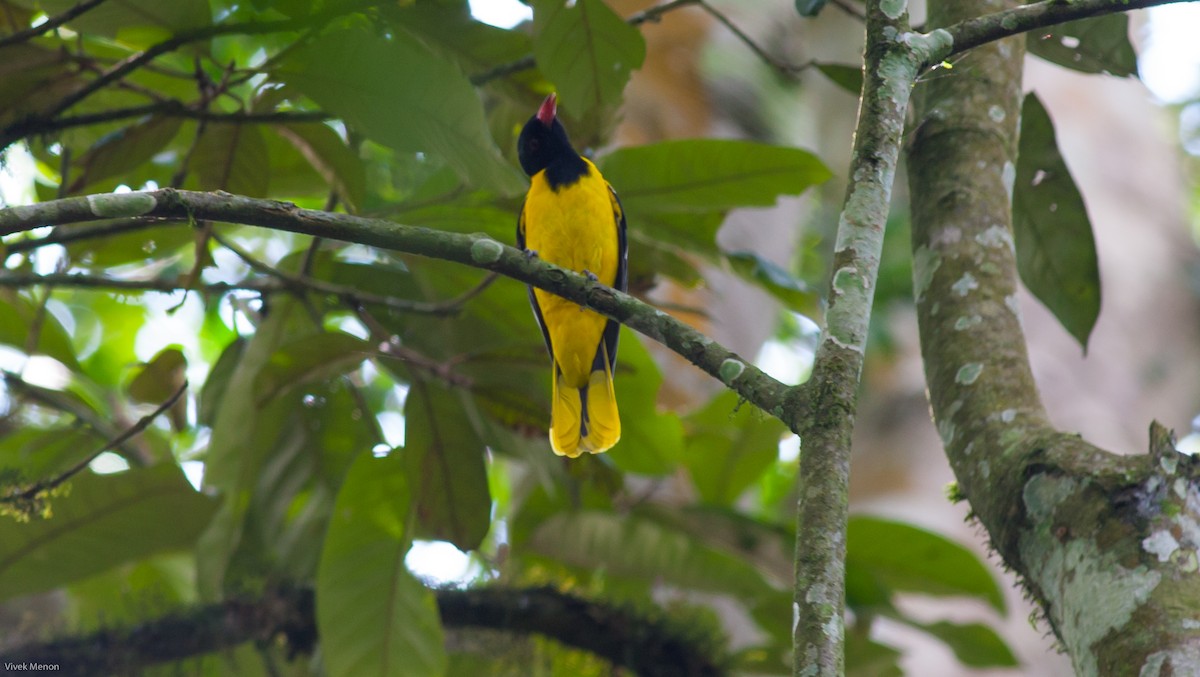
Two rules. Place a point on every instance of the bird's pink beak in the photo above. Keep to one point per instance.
(548, 110)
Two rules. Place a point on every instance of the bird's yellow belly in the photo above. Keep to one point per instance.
(574, 229)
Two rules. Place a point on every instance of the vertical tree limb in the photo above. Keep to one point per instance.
(893, 56)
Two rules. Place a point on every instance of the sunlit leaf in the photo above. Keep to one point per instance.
(728, 446)
(708, 174)
(399, 93)
(26, 328)
(1056, 254)
(374, 618)
(634, 547)
(974, 644)
(905, 558)
(113, 518)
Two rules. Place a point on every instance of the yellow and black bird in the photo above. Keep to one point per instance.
(572, 218)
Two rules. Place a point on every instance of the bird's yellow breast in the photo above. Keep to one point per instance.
(574, 227)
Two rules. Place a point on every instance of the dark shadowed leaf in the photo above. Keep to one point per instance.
(865, 658)
(701, 175)
(309, 359)
(848, 78)
(373, 616)
(138, 23)
(443, 456)
(159, 379)
(1056, 254)
(233, 158)
(331, 157)
(907, 559)
(1097, 45)
(587, 51)
(112, 518)
(810, 7)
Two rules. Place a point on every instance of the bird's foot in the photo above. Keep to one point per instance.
(530, 254)
(590, 275)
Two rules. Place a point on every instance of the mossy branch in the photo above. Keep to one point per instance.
(480, 251)
(285, 618)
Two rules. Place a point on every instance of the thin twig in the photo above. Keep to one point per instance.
(784, 68)
(144, 422)
(170, 108)
(48, 25)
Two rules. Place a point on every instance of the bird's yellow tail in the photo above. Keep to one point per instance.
(584, 419)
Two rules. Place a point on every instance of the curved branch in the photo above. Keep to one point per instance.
(777, 399)
(644, 645)
(975, 31)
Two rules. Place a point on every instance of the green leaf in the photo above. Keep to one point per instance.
(634, 547)
(848, 78)
(729, 446)
(218, 380)
(398, 93)
(374, 618)
(160, 377)
(810, 8)
(1097, 45)
(34, 453)
(309, 359)
(133, 246)
(588, 52)
(974, 644)
(865, 658)
(701, 175)
(337, 163)
(234, 158)
(112, 518)
(444, 459)
(1056, 254)
(908, 559)
(651, 441)
(790, 291)
(120, 152)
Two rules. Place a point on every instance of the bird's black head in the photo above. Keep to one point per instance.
(543, 142)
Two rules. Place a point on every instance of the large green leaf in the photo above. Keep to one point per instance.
(138, 23)
(904, 558)
(781, 284)
(331, 157)
(974, 644)
(729, 446)
(444, 458)
(398, 93)
(374, 618)
(1056, 254)
(309, 359)
(1097, 45)
(708, 174)
(588, 52)
(30, 454)
(20, 319)
(105, 520)
(119, 152)
(635, 547)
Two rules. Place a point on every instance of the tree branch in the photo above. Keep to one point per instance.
(775, 398)
(624, 638)
(171, 108)
(48, 25)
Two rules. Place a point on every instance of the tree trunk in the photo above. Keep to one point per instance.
(1106, 544)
